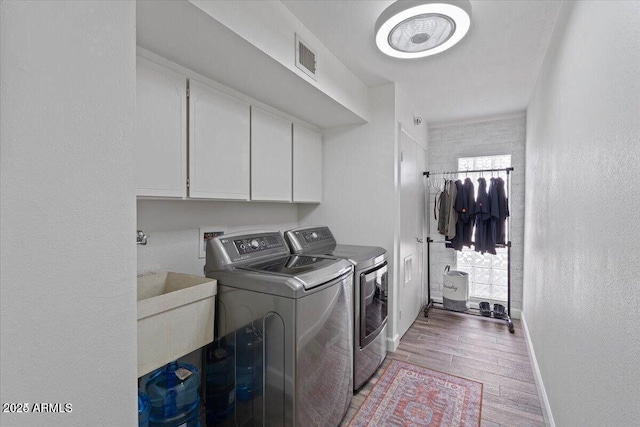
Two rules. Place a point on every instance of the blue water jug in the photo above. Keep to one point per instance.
(143, 409)
(220, 381)
(173, 396)
(249, 363)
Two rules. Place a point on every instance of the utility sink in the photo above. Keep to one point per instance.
(175, 317)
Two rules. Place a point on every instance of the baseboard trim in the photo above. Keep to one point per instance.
(393, 343)
(546, 409)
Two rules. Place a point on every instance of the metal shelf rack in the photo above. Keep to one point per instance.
(430, 303)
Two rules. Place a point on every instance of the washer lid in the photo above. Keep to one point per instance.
(359, 255)
(293, 265)
(290, 276)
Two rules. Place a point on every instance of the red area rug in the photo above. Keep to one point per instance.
(410, 395)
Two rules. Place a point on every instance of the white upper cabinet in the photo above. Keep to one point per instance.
(203, 143)
(219, 144)
(270, 157)
(307, 165)
(161, 131)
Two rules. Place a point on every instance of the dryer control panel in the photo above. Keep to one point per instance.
(316, 235)
(310, 240)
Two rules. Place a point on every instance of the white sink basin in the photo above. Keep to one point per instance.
(175, 317)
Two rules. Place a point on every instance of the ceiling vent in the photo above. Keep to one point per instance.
(305, 58)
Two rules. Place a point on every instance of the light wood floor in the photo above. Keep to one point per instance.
(477, 348)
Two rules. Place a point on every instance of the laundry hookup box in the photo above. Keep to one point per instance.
(455, 290)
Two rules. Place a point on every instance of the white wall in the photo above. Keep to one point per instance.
(581, 271)
(271, 27)
(360, 201)
(68, 282)
(488, 137)
(172, 227)
(406, 111)
(358, 188)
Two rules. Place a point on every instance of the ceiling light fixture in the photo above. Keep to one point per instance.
(414, 29)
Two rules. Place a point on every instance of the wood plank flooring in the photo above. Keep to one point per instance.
(477, 348)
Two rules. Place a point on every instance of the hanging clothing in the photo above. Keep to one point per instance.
(503, 211)
(494, 211)
(442, 210)
(469, 212)
(460, 209)
(457, 212)
(483, 216)
(452, 215)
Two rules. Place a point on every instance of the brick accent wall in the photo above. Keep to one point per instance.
(486, 138)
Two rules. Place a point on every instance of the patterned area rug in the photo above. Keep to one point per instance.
(410, 395)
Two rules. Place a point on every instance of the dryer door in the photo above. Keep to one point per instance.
(373, 303)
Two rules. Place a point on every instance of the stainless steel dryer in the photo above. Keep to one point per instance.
(287, 320)
(370, 293)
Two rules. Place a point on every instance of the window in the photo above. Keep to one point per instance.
(487, 272)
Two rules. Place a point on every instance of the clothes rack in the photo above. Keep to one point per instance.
(428, 174)
(430, 303)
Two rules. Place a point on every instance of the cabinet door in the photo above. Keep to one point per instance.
(218, 144)
(161, 131)
(307, 165)
(270, 157)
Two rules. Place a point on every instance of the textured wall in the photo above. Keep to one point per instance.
(173, 228)
(67, 210)
(483, 138)
(359, 200)
(581, 292)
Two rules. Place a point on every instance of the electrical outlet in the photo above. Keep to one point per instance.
(207, 233)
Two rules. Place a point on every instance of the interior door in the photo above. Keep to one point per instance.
(412, 215)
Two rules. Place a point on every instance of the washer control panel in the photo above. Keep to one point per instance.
(257, 244)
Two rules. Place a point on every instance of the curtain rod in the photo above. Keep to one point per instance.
(427, 174)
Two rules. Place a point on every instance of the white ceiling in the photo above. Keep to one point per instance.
(491, 72)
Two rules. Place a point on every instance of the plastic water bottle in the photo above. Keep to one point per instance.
(173, 396)
(143, 409)
(249, 361)
(220, 383)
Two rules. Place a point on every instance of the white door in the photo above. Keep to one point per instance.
(411, 231)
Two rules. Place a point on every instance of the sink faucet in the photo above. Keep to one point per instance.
(141, 238)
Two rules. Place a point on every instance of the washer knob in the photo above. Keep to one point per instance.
(314, 235)
(254, 244)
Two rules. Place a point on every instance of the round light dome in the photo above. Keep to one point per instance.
(414, 29)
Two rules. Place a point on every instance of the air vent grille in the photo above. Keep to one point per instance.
(305, 58)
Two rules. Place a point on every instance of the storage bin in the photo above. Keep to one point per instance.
(455, 290)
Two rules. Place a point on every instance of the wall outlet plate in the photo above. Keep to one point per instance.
(207, 233)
